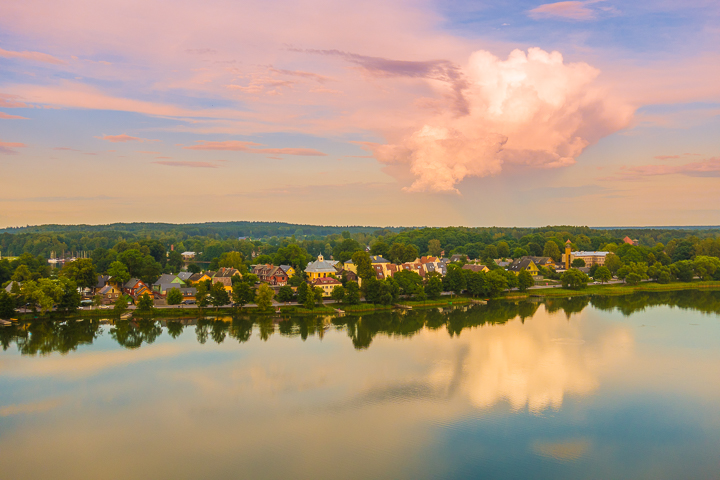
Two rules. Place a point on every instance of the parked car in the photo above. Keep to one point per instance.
(188, 302)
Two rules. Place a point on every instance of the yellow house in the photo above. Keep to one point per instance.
(524, 264)
(320, 268)
(289, 270)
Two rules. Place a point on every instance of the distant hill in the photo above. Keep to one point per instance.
(253, 230)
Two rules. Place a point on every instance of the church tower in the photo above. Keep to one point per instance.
(568, 249)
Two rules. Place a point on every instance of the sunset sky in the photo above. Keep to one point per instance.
(476, 113)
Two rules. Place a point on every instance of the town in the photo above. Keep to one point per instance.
(347, 273)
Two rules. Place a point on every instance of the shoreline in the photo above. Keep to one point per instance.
(327, 309)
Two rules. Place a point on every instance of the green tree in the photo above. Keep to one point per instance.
(202, 294)
(496, 283)
(379, 248)
(243, 294)
(121, 305)
(613, 263)
(363, 265)
(338, 294)
(574, 279)
(632, 278)
(232, 260)
(454, 280)
(264, 297)
(578, 263)
(503, 249)
(603, 274)
(145, 303)
(97, 300)
(119, 273)
(409, 282)
(434, 287)
(175, 260)
(309, 298)
(7, 305)
(552, 250)
(683, 270)
(490, 253)
(194, 268)
(285, 294)
(174, 296)
(434, 248)
(218, 295)
(69, 300)
(352, 294)
(81, 271)
(525, 280)
(302, 292)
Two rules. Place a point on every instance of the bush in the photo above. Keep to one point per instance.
(574, 279)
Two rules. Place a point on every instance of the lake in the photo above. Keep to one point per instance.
(601, 387)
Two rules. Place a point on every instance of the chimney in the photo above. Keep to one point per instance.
(172, 248)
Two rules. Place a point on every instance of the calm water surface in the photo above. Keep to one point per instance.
(624, 387)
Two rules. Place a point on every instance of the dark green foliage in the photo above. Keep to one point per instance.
(285, 294)
(7, 305)
(338, 294)
(434, 287)
(577, 263)
(242, 293)
(683, 270)
(174, 296)
(525, 280)
(574, 279)
(218, 295)
(352, 293)
(145, 303)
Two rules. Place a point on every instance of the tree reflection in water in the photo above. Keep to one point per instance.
(44, 337)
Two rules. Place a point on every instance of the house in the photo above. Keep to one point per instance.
(271, 274)
(524, 264)
(546, 262)
(198, 277)
(188, 256)
(289, 270)
(101, 283)
(11, 286)
(502, 263)
(321, 268)
(327, 284)
(226, 272)
(166, 282)
(349, 275)
(136, 288)
(110, 293)
(590, 258)
(184, 276)
(475, 268)
(630, 241)
(457, 257)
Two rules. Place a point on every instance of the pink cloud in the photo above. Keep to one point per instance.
(124, 138)
(7, 116)
(168, 163)
(571, 10)
(242, 146)
(7, 147)
(532, 109)
(161, 158)
(11, 101)
(35, 56)
(67, 149)
(703, 168)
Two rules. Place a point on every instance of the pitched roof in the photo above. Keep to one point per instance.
(185, 275)
(321, 266)
(326, 281)
(102, 281)
(131, 283)
(520, 264)
(196, 276)
(474, 268)
(378, 259)
(165, 278)
(10, 285)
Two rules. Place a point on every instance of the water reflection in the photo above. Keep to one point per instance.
(44, 337)
(563, 388)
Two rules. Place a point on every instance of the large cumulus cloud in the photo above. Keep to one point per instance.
(532, 109)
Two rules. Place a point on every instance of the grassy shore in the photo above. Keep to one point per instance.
(616, 289)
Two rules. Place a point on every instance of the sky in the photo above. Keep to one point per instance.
(403, 113)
